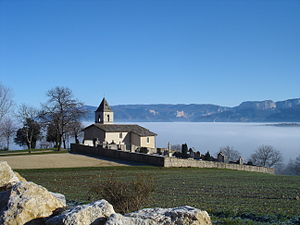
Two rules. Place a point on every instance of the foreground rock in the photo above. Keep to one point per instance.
(20, 177)
(182, 215)
(7, 176)
(60, 197)
(25, 202)
(93, 213)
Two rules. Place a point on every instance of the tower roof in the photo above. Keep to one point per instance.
(104, 107)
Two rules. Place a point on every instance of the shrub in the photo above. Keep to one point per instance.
(144, 150)
(125, 196)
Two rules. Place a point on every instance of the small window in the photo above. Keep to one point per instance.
(107, 118)
(148, 140)
(121, 135)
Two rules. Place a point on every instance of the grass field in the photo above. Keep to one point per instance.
(231, 197)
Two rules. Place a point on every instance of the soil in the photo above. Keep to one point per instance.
(62, 160)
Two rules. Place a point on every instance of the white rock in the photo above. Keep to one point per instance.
(84, 214)
(60, 197)
(25, 202)
(7, 175)
(118, 219)
(185, 215)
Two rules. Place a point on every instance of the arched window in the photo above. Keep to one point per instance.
(107, 118)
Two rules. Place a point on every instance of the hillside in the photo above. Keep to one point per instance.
(250, 111)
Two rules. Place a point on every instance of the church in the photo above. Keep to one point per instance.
(119, 136)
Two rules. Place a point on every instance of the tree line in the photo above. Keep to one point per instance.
(55, 121)
(58, 119)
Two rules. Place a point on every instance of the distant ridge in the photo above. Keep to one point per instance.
(250, 111)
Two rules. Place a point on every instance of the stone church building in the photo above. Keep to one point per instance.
(120, 136)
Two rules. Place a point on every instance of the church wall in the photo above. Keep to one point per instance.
(94, 132)
(88, 142)
(135, 139)
(115, 137)
(144, 142)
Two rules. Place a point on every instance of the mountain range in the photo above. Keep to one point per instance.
(250, 111)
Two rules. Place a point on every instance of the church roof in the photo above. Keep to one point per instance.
(141, 131)
(104, 107)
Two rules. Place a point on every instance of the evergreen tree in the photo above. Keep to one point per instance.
(184, 150)
(52, 134)
(28, 134)
(207, 156)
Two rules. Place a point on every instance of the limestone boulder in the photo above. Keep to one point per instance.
(20, 177)
(60, 197)
(25, 202)
(94, 213)
(7, 175)
(118, 219)
(185, 215)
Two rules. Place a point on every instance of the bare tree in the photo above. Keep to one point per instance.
(61, 110)
(30, 132)
(51, 134)
(6, 102)
(230, 153)
(26, 111)
(266, 156)
(8, 129)
(297, 166)
(293, 167)
(75, 130)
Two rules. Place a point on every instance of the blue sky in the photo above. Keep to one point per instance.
(158, 51)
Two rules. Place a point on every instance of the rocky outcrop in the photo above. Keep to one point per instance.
(182, 215)
(262, 105)
(25, 202)
(7, 175)
(92, 213)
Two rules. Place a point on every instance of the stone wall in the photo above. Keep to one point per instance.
(163, 161)
(118, 154)
(175, 162)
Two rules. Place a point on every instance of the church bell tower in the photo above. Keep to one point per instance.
(104, 114)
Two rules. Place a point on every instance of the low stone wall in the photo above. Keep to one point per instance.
(118, 154)
(163, 161)
(175, 162)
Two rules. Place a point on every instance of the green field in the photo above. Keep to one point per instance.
(230, 197)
